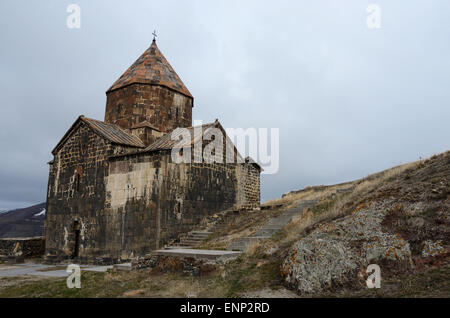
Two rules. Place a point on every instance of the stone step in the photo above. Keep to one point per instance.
(277, 224)
(196, 239)
(191, 239)
(192, 243)
(176, 247)
(200, 254)
(276, 227)
(201, 233)
(122, 267)
(202, 238)
(219, 228)
(267, 232)
(272, 226)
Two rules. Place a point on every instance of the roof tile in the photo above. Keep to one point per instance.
(171, 139)
(151, 68)
(113, 133)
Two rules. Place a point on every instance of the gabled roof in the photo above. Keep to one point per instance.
(171, 139)
(110, 132)
(151, 68)
(113, 133)
(144, 123)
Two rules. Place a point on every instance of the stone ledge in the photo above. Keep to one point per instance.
(198, 254)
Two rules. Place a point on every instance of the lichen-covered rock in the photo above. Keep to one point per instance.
(431, 249)
(337, 252)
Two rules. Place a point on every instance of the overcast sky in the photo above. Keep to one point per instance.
(348, 100)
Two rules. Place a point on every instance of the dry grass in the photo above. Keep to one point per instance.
(331, 204)
(432, 283)
(323, 191)
(253, 248)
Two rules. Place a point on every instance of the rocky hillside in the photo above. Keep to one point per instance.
(402, 225)
(27, 222)
(397, 219)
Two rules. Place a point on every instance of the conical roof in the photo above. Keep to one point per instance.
(151, 68)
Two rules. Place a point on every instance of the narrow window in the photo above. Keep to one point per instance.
(76, 238)
(77, 182)
(176, 113)
(178, 212)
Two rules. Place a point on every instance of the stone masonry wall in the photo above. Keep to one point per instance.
(76, 197)
(160, 199)
(146, 134)
(162, 107)
(248, 178)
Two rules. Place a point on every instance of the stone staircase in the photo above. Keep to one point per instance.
(209, 225)
(272, 226)
(190, 240)
(187, 242)
(185, 245)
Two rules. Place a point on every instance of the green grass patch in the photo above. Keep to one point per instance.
(92, 285)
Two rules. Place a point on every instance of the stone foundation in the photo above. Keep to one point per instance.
(29, 247)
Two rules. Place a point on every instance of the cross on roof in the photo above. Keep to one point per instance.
(154, 35)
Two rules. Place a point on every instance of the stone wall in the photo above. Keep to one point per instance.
(76, 196)
(31, 247)
(162, 107)
(105, 206)
(248, 185)
(146, 134)
(158, 199)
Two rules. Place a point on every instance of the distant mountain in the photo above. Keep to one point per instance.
(26, 222)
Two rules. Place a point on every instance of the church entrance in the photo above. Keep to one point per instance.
(76, 232)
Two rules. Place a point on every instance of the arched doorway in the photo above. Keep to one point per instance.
(76, 239)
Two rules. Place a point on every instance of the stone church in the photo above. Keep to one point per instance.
(114, 192)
